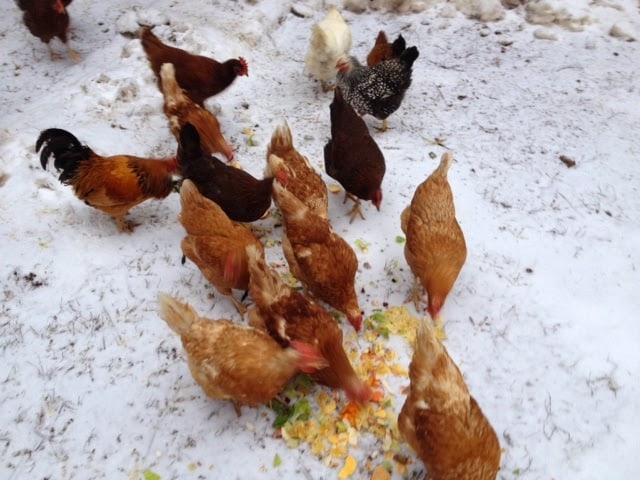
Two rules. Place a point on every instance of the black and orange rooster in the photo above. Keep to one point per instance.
(200, 77)
(47, 19)
(112, 184)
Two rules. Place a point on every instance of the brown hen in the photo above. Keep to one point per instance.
(243, 197)
(236, 362)
(303, 180)
(352, 157)
(200, 77)
(383, 50)
(440, 419)
(47, 19)
(290, 316)
(216, 244)
(180, 110)
(321, 259)
(112, 184)
(435, 248)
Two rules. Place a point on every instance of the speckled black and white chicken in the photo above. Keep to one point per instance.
(377, 90)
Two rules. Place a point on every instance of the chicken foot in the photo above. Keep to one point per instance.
(384, 127)
(356, 210)
(415, 296)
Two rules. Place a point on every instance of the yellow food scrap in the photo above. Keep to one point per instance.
(334, 188)
(349, 468)
(381, 473)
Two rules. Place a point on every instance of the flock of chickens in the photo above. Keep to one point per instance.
(289, 331)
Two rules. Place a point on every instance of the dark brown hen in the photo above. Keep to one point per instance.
(377, 90)
(47, 19)
(352, 157)
(243, 197)
(200, 77)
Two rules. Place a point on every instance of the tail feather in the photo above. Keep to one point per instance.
(434, 375)
(66, 150)
(190, 148)
(149, 40)
(445, 162)
(264, 284)
(170, 88)
(409, 56)
(178, 315)
(281, 139)
(199, 215)
(398, 46)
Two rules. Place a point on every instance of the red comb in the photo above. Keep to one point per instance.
(245, 65)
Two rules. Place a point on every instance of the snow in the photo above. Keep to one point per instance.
(542, 320)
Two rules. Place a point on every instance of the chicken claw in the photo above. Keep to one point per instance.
(356, 210)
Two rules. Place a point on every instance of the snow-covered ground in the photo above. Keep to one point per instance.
(543, 319)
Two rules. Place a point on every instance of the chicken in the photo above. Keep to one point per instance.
(180, 110)
(290, 316)
(330, 39)
(242, 197)
(112, 184)
(215, 243)
(200, 77)
(377, 90)
(233, 361)
(441, 421)
(383, 50)
(435, 248)
(302, 179)
(352, 157)
(47, 19)
(321, 259)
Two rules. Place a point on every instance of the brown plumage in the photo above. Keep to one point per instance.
(216, 244)
(435, 248)
(180, 110)
(383, 50)
(47, 19)
(200, 77)
(321, 259)
(243, 197)
(440, 419)
(303, 180)
(112, 184)
(352, 157)
(288, 316)
(233, 361)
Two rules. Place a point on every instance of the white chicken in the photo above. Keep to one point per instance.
(330, 39)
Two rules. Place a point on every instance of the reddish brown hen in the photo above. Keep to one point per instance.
(200, 77)
(112, 184)
(352, 157)
(233, 361)
(321, 259)
(47, 19)
(180, 110)
(383, 50)
(241, 196)
(290, 316)
(216, 244)
(435, 248)
(440, 419)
